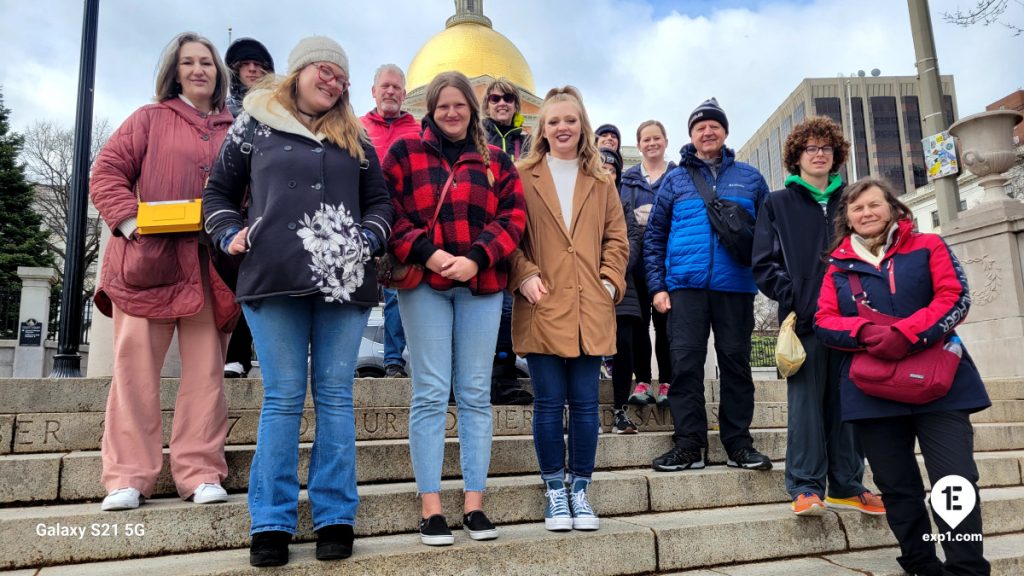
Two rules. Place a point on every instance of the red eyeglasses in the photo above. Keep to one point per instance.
(495, 98)
(327, 75)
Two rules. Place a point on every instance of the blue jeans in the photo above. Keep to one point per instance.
(451, 344)
(286, 330)
(555, 381)
(394, 334)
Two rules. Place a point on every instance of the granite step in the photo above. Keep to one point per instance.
(625, 544)
(74, 476)
(1005, 553)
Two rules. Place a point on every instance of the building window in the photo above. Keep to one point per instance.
(935, 219)
(888, 148)
(860, 137)
(799, 113)
(775, 163)
(787, 127)
(829, 107)
(947, 109)
(912, 123)
(764, 156)
(963, 205)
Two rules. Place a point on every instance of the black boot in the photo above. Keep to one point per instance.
(269, 548)
(334, 542)
(505, 388)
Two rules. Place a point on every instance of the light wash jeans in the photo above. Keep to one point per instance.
(451, 336)
(285, 330)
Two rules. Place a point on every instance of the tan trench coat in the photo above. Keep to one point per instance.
(577, 315)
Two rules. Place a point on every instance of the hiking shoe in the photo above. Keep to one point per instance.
(478, 526)
(334, 542)
(508, 392)
(662, 396)
(208, 493)
(867, 503)
(269, 548)
(679, 458)
(434, 531)
(557, 515)
(622, 424)
(395, 371)
(750, 459)
(642, 394)
(122, 499)
(808, 504)
(234, 370)
(583, 516)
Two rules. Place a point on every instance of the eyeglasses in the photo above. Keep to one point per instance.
(813, 150)
(495, 98)
(327, 75)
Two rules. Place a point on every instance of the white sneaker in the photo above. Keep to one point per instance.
(122, 499)
(209, 494)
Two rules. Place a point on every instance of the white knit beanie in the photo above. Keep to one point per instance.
(317, 49)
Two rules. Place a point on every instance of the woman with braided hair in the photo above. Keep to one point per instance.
(451, 318)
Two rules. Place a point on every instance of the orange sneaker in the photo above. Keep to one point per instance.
(867, 503)
(808, 504)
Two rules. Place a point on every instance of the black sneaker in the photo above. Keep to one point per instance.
(750, 459)
(679, 458)
(622, 424)
(434, 531)
(508, 392)
(478, 526)
(395, 371)
(334, 542)
(269, 548)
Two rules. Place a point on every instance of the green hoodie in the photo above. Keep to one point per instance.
(834, 182)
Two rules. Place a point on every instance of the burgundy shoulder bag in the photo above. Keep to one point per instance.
(918, 378)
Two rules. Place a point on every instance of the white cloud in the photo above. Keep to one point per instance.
(629, 65)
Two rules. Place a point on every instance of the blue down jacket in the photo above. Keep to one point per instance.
(680, 249)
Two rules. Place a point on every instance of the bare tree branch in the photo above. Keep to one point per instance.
(48, 155)
(985, 12)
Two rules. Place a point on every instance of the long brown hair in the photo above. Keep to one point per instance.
(458, 80)
(590, 160)
(167, 85)
(843, 228)
(339, 124)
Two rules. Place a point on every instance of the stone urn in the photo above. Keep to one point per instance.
(987, 149)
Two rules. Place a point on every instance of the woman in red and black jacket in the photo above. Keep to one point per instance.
(451, 318)
(917, 278)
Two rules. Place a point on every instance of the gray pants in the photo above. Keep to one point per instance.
(819, 446)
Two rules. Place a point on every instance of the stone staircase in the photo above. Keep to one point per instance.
(709, 522)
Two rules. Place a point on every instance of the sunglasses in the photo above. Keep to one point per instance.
(495, 98)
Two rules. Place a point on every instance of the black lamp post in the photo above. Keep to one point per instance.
(67, 362)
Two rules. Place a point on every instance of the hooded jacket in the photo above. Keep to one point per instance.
(383, 133)
(481, 221)
(681, 251)
(791, 240)
(163, 151)
(516, 143)
(919, 280)
(309, 204)
(239, 51)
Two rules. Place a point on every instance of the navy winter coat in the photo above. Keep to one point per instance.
(680, 249)
(918, 280)
(791, 240)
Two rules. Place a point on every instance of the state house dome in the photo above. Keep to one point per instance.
(470, 45)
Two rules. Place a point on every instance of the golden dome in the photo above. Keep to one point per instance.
(473, 49)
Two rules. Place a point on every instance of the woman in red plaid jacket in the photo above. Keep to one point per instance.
(451, 318)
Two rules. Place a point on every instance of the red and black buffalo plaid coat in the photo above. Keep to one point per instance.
(477, 220)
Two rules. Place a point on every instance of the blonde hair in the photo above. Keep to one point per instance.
(167, 85)
(339, 124)
(458, 80)
(591, 163)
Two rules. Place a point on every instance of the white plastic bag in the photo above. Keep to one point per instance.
(789, 352)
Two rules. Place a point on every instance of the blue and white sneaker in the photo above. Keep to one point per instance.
(583, 515)
(557, 516)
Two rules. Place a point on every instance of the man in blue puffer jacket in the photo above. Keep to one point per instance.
(701, 287)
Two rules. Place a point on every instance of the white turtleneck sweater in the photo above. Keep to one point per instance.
(564, 173)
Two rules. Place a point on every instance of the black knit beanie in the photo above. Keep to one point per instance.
(708, 110)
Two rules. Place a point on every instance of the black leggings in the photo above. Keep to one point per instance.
(622, 366)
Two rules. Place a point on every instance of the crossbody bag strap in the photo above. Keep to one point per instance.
(857, 290)
(702, 185)
(440, 199)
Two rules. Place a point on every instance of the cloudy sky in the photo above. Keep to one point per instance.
(632, 59)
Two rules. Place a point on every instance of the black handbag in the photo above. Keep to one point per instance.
(730, 221)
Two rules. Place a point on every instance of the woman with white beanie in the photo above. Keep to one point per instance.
(319, 211)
